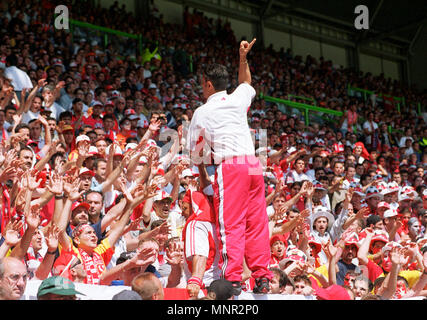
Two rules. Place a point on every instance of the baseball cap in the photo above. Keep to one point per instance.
(279, 237)
(187, 173)
(78, 204)
(130, 145)
(373, 192)
(293, 254)
(97, 104)
(380, 235)
(67, 128)
(390, 245)
(57, 285)
(133, 117)
(318, 185)
(333, 292)
(82, 137)
(407, 193)
(117, 152)
(93, 151)
(390, 213)
(85, 170)
(383, 204)
(353, 239)
(392, 187)
(129, 112)
(162, 195)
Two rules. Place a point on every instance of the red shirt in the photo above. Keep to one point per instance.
(92, 122)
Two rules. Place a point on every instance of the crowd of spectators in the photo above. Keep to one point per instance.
(96, 186)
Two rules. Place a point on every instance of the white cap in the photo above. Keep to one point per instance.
(130, 145)
(133, 117)
(187, 173)
(390, 213)
(84, 170)
(93, 150)
(82, 137)
(152, 86)
(117, 151)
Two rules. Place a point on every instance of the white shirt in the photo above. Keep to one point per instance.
(29, 115)
(222, 121)
(367, 125)
(293, 176)
(20, 79)
(197, 243)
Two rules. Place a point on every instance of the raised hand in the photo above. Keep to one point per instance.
(174, 254)
(60, 85)
(83, 149)
(122, 186)
(11, 232)
(305, 213)
(52, 237)
(56, 184)
(154, 126)
(349, 194)
(73, 191)
(193, 185)
(32, 218)
(42, 82)
(329, 249)
(159, 181)
(245, 47)
(8, 174)
(32, 182)
(397, 256)
(163, 229)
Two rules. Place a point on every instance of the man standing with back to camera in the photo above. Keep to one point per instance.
(239, 202)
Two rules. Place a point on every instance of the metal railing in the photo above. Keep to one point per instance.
(306, 108)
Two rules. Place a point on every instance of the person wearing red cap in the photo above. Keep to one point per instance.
(221, 122)
(334, 292)
(278, 246)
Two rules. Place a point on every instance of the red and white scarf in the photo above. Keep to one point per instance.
(94, 266)
(33, 260)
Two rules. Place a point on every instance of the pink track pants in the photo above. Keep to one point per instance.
(242, 222)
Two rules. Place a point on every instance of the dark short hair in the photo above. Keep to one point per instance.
(218, 75)
(21, 126)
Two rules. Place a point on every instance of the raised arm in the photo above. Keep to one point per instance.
(362, 254)
(244, 71)
(47, 136)
(46, 265)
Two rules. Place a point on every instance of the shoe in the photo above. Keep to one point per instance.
(237, 286)
(262, 285)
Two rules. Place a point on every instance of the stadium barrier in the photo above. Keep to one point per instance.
(305, 108)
